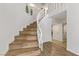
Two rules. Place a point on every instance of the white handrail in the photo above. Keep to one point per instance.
(40, 16)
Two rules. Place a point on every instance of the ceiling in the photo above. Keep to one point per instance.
(60, 18)
(40, 5)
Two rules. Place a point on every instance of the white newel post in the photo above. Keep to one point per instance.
(39, 34)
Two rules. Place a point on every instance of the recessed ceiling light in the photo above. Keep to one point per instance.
(32, 5)
(46, 8)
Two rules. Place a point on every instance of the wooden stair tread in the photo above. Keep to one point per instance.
(21, 50)
(31, 29)
(23, 41)
(31, 53)
(28, 33)
(23, 36)
(31, 26)
(25, 45)
(26, 38)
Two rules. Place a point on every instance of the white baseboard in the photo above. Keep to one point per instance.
(73, 51)
(3, 53)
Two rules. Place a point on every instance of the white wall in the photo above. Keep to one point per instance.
(73, 28)
(12, 19)
(35, 12)
(45, 26)
(34, 9)
(58, 32)
(56, 6)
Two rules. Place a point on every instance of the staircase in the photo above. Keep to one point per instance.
(25, 44)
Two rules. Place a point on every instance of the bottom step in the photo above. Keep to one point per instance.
(15, 52)
(31, 53)
(27, 44)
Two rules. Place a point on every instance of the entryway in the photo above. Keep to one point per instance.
(59, 30)
(58, 45)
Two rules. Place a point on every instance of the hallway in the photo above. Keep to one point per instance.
(56, 48)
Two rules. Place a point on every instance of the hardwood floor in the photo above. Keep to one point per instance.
(60, 43)
(26, 44)
(55, 49)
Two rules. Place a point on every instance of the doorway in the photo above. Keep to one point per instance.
(59, 30)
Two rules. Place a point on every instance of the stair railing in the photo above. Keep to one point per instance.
(57, 8)
(40, 16)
